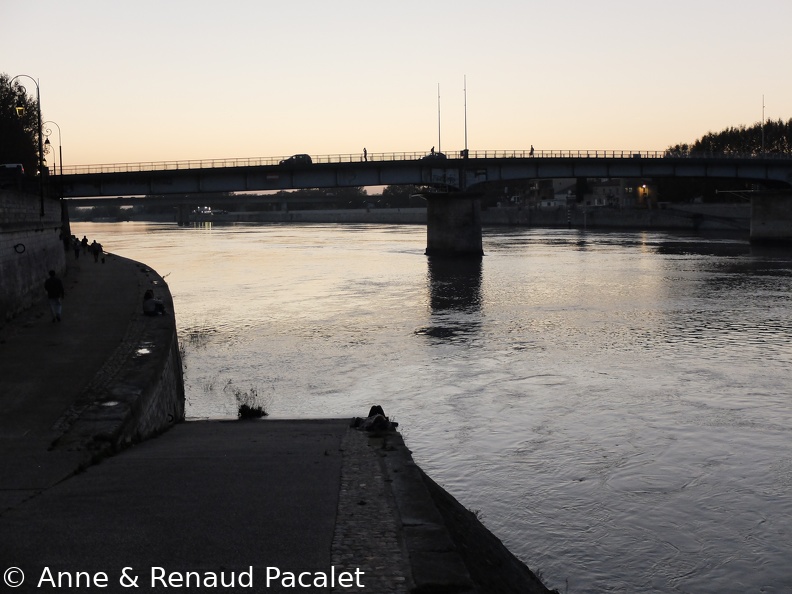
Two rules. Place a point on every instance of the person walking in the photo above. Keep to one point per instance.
(96, 250)
(365, 154)
(55, 293)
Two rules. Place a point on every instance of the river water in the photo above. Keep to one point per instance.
(615, 406)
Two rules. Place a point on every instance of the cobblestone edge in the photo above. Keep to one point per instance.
(367, 533)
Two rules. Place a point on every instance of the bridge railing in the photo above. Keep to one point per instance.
(379, 157)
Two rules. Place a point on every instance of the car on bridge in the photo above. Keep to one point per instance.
(301, 159)
(433, 156)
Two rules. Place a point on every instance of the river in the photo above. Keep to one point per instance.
(614, 406)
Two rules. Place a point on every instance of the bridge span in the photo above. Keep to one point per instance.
(454, 224)
(454, 173)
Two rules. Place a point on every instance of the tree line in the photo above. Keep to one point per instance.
(773, 137)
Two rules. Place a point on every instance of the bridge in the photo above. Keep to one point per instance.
(453, 181)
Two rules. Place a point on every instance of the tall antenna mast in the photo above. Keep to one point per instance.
(439, 148)
(465, 91)
(763, 122)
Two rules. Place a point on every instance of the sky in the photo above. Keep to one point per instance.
(176, 80)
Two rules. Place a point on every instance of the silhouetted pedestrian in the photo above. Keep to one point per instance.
(84, 244)
(96, 250)
(365, 154)
(55, 294)
(76, 247)
(531, 153)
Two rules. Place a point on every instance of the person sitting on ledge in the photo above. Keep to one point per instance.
(376, 421)
(151, 305)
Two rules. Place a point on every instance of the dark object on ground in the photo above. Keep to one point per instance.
(376, 421)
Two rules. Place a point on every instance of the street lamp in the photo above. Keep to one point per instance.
(47, 132)
(20, 110)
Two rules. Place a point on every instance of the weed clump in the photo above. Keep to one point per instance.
(248, 406)
(256, 411)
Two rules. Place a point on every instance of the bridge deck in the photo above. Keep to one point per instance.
(334, 171)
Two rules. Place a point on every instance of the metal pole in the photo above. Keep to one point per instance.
(439, 147)
(465, 91)
(60, 142)
(40, 139)
(763, 122)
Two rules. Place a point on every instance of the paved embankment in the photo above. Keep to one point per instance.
(266, 499)
(83, 382)
(235, 500)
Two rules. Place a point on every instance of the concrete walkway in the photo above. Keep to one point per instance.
(267, 505)
(205, 497)
(46, 365)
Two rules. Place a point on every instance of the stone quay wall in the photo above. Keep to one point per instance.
(139, 391)
(30, 246)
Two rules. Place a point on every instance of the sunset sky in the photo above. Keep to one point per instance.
(156, 80)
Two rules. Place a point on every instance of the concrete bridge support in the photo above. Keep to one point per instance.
(771, 218)
(453, 224)
(183, 215)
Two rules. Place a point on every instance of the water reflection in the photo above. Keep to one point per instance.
(454, 286)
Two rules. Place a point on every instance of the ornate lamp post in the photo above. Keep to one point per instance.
(20, 111)
(47, 132)
(66, 227)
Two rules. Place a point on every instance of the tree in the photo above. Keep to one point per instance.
(400, 196)
(772, 137)
(352, 197)
(19, 132)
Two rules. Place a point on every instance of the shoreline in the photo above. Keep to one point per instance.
(684, 217)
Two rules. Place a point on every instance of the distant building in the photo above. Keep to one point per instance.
(600, 192)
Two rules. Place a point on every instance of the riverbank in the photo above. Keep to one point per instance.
(102, 378)
(298, 496)
(684, 217)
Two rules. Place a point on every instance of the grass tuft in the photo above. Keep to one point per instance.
(248, 406)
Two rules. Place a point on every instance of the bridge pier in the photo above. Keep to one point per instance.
(453, 224)
(771, 218)
(183, 215)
